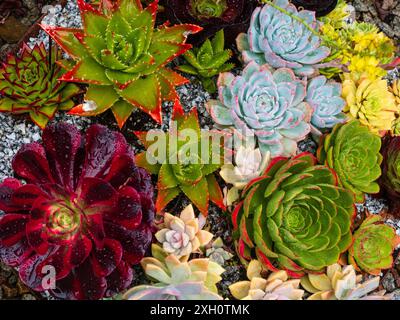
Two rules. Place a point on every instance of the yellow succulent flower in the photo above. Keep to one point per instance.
(370, 102)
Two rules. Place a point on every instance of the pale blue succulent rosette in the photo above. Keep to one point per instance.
(325, 99)
(268, 104)
(280, 40)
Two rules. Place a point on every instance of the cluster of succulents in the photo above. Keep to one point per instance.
(342, 283)
(120, 54)
(176, 280)
(87, 206)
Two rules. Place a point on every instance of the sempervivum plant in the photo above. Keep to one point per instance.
(208, 61)
(342, 283)
(390, 180)
(353, 152)
(176, 280)
(371, 102)
(86, 210)
(295, 216)
(184, 166)
(373, 245)
(122, 56)
(325, 98)
(281, 36)
(269, 105)
(231, 15)
(29, 84)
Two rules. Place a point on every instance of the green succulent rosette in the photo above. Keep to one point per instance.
(373, 245)
(122, 55)
(29, 84)
(208, 61)
(353, 152)
(294, 216)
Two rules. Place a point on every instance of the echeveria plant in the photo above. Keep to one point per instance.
(283, 37)
(269, 105)
(294, 216)
(208, 61)
(29, 84)
(122, 56)
(325, 99)
(342, 283)
(176, 280)
(373, 245)
(183, 168)
(181, 236)
(86, 210)
(353, 152)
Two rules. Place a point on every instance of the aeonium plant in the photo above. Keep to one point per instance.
(122, 56)
(86, 211)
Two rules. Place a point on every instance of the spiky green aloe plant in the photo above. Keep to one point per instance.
(208, 61)
(373, 245)
(353, 152)
(122, 56)
(186, 166)
(294, 216)
(28, 84)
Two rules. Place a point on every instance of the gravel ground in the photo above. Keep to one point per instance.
(18, 130)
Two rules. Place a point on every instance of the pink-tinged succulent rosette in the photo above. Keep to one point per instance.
(278, 38)
(269, 105)
(86, 210)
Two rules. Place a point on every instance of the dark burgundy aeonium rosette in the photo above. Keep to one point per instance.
(86, 210)
(231, 15)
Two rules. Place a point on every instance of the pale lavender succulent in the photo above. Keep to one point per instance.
(269, 105)
(325, 98)
(278, 39)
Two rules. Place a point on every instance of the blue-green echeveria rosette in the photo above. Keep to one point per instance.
(267, 104)
(280, 40)
(325, 99)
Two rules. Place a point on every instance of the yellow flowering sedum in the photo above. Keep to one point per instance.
(370, 102)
